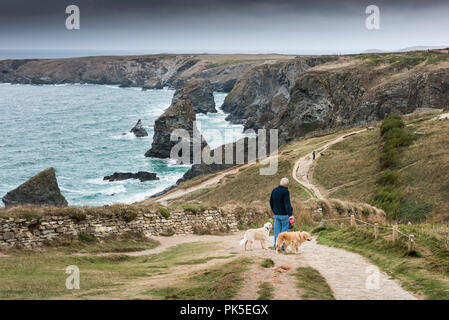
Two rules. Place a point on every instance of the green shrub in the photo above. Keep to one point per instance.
(189, 208)
(388, 178)
(397, 137)
(267, 263)
(390, 122)
(389, 159)
(164, 212)
(388, 199)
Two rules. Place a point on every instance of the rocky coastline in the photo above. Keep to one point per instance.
(146, 71)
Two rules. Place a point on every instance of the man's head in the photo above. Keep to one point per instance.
(284, 182)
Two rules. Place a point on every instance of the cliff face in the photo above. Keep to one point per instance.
(264, 89)
(200, 92)
(308, 94)
(358, 93)
(149, 71)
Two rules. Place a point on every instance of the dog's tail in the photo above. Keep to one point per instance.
(243, 241)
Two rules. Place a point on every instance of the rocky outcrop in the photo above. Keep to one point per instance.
(138, 130)
(141, 175)
(222, 77)
(356, 94)
(244, 151)
(264, 89)
(200, 92)
(40, 190)
(178, 116)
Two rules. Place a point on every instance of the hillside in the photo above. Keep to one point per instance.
(349, 169)
(346, 171)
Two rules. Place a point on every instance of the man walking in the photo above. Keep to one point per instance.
(281, 207)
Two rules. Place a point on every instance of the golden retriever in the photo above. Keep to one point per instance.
(292, 239)
(260, 234)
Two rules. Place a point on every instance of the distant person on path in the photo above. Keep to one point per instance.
(281, 207)
(313, 155)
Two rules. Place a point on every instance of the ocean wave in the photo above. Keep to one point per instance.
(113, 190)
(98, 181)
(125, 135)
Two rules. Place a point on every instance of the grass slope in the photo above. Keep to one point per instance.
(215, 283)
(424, 272)
(349, 169)
(312, 284)
(41, 274)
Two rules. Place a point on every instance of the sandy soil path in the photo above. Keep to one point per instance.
(178, 192)
(302, 167)
(351, 276)
(346, 273)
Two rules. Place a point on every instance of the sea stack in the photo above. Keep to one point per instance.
(178, 116)
(40, 190)
(138, 130)
(200, 92)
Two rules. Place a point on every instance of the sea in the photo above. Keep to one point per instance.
(82, 131)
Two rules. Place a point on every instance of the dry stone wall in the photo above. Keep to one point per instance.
(35, 232)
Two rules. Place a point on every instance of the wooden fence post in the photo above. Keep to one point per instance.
(376, 230)
(395, 233)
(352, 220)
(411, 243)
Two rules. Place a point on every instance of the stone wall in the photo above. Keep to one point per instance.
(35, 232)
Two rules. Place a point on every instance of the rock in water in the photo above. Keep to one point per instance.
(178, 116)
(141, 175)
(42, 189)
(138, 130)
(200, 92)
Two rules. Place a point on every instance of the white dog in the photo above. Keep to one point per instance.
(260, 234)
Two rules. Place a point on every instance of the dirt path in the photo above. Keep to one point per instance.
(345, 272)
(302, 167)
(348, 274)
(279, 275)
(178, 192)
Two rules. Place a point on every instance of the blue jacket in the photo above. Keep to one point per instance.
(280, 201)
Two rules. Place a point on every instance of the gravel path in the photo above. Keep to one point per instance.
(348, 274)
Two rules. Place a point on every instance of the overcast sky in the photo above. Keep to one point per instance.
(246, 26)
